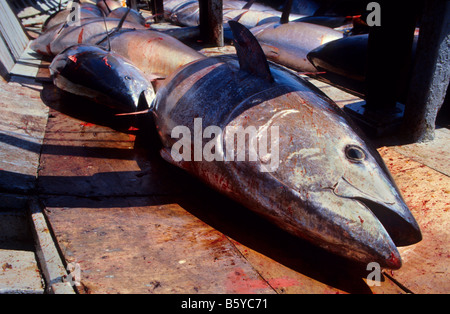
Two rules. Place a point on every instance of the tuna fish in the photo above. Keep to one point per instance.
(87, 10)
(320, 180)
(155, 53)
(185, 13)
(343, 63)
(58, 38)
(103, 76)
(346, 57)
(288, 44)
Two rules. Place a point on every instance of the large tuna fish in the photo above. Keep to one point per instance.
(319, 180)
(87, 10)
(182, 12)
(288, 44)
(155, 53)
(102, 76)
(58, 38)
(343, 63)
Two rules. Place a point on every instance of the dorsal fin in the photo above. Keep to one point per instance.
(250, 54)
(286, 12)
(248, 5)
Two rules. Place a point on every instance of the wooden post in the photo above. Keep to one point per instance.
(389, 58)
(158, 10)
(211, 22)
(133, 4)
(431, 72)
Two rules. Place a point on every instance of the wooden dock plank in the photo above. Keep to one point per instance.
(427, 193)
(116, 207)
(145, 245)
(28, 64)
(21, 133)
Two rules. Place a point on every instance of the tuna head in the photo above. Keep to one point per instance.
(103, 76)
(321, 180)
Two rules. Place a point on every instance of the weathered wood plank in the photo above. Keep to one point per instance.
(146, 245)
(12, 31)
(427, 192)
(21, 133)
(27, 65)
(19, 273)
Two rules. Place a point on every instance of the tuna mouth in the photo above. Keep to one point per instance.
(389, 209)
(401, 231)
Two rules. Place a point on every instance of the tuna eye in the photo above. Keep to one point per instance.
(354, 153)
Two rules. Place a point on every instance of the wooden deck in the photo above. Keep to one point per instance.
(132, 223)
(135, 224)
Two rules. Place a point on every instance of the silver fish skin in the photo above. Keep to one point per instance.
(258, 7)
(346, 57)
(289, 44)
(329, 186)
(187, 13)
(87, 10)
(133, 16)
(249, 18)
(102, 76)
(344, 62)
(58, 38)
(155, 53)
(109, 5)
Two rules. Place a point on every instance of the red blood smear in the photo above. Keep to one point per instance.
(87, 124)
(73, 58)
(106, 62)
(80, 36)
